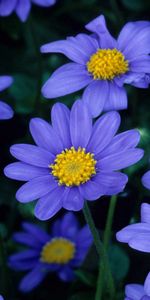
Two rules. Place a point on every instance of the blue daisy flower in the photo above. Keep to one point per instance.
(138, 291)
(62, 251)
(102, 64)
(73, 160)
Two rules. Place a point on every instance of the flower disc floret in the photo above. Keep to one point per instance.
(73, 167)
(59, 251)
(106, 64)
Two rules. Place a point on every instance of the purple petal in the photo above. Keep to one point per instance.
(5, 81)
(98, 26)
(80, 124)
(117, 98)
(24, 172)
(23, 9)
(6, 111)
(91, 190)
(31, 154)
(95, 96)
(22, 265)
(122, 141)
(56, 228)
(120, 160)
(72, 199)
(36, 231)
(66, 274)
(134, 291)
(84, 238)
(7, 7)
(50, 204)
(131, 231)
(145, 213)
(36, 188)
(147, 285)
(141, 242)
(141, 65)
(78, 49)
(32, 279)
(60, 116)
(44, 3)
(24, 255)
(66, 80)
(69, 226)
(103, 131)
(28, 240)
(45, 136)
(146, 180)
(112, 182)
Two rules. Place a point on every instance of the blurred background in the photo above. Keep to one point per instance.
(20, 57)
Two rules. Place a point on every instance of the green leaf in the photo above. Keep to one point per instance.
(136, 5)
(119, 262)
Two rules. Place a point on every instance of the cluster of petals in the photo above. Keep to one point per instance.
(101, 95)
(138, 291)
(34, 237)
(21, 7)
(138, 235)
(6, 111)
(72, 129)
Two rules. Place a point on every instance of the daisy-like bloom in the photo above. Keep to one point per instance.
(138, 235)
(6, 111)
(138, 291)
(146, 180)
(21, 7)
(73, 160)
(62, 251)
(102, 65)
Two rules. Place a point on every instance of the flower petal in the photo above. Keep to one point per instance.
(141, 242)
(112, 182)
(95, 96)
(24, 172)
(5, 81)
(32, 279)
(134, 291)
(66, 80)
(44, 3)
(103, 131)
(27, 239)
(23, 9)
(66, 274)
(6, 111)
(147, 285)
(140, 65)
(36, 188)
(45, 136)
(50, 204)
(91, 190)
(69, 226)
(24, 255)
(120, 160)
(60, 116)
(131, 231)
(80, 124)
(7, 7)
(145, 213)
(37, 232)
(31, 154)
(146, 180)
(72, 199)
(98, 26)
(117, 99)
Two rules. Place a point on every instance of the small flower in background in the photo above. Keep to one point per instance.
(6, 111)
(62, 251)
(138, 291)
(103, 64)
(21, 7)
(146, 180)
(73, 160)
(138, 235)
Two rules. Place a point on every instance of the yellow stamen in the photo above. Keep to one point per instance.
(59, 251)
(73, 167)
(106, 64)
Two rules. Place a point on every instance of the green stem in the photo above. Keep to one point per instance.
(107, 234)
(104, 263)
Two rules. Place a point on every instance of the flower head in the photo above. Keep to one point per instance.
(138, 235)
(73, 160)
(146, 180)
(138, 291)
(6, 111)
(21, 7)
(62, 251)
(102, 65)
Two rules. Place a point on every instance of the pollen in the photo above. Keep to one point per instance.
(106, 64)
(58, 251)
(73, 167)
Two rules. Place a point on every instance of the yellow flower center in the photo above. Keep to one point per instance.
(58, 251)
(107, 63)
(73, 167)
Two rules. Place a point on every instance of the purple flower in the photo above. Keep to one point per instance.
(146, 180)
(138, 235)
(102, 65)
(1, 298)
(73, 160)
(138, 291)
(61, 251)
(6, 111)
(21, 7)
